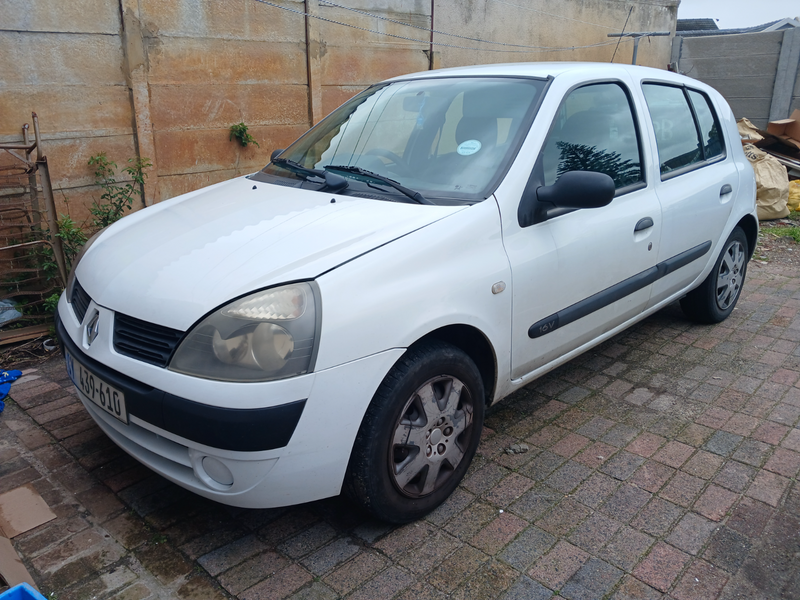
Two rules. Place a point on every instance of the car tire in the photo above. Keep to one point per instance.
(716, 297)
(419, 434)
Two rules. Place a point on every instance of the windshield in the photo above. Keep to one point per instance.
(445, 138)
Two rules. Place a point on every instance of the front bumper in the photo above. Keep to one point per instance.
(239, 429)
(276, 443)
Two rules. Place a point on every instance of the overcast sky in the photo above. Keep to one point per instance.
(731, 14)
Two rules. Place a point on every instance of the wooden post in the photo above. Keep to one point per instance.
(314, 51)
(50, 204)
(135, 66)
(675, 55)
(430, 49)
(34, 187)
(786, 75)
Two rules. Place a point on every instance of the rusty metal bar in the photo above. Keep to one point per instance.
(18, 157)
(24, 277)
(34, 188)
(21, 269)
(50, 203)
(36, 135)
(26, 147)
(27, 294)
(26, 244)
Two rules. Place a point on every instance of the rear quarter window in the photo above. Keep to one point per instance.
(710, 133)
(686, 127)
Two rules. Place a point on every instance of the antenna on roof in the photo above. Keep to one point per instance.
(637, 35)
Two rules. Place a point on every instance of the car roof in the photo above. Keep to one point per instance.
(591, 70)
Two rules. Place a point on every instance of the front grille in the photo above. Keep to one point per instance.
(144, 341)
(80, 301)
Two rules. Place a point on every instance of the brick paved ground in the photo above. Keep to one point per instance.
(663, 464)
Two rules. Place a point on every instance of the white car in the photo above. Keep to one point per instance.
(341, 319)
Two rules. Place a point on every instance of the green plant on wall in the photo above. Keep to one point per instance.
(239, 131)
(72, 238)
(51, 302)
(117, 197)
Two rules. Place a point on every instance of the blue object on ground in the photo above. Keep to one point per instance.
(6, 377)
(9, 375)
(23, 591)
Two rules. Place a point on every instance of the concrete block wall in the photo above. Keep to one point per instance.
(757, 73)
(67, 67)
(210, 65)
(166, 80)
(553, 24)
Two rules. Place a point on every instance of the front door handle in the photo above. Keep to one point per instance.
(726, 189)
(643, 224)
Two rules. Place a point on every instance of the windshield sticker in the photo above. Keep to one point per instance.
(468, 147)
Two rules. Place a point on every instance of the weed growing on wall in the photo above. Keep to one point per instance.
(239, 131)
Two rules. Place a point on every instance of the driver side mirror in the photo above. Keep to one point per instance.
(578, 189)
(572, 191)
(276, 153)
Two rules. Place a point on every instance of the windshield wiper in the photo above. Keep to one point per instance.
(414, 195)
(333, 181)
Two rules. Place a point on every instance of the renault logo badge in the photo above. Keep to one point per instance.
(93, 328)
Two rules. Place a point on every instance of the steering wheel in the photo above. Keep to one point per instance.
(394, 159)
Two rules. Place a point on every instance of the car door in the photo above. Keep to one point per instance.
(696, 186)
(579, 274)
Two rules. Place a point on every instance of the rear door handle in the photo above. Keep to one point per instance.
(726, 189)
(643, 224)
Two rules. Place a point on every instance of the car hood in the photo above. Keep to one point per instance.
(174, 262)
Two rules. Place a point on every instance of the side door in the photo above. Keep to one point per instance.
(580, 273)
(696, 186)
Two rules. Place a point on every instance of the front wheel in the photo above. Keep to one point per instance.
(419, 434)
(716, 297)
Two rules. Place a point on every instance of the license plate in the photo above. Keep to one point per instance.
(108, 398)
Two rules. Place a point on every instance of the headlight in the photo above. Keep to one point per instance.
(78, 257)
(271, 334)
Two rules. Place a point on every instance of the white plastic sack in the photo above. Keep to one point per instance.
(8, 312)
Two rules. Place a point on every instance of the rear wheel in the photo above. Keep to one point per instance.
(419, 434)
(716, 297)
